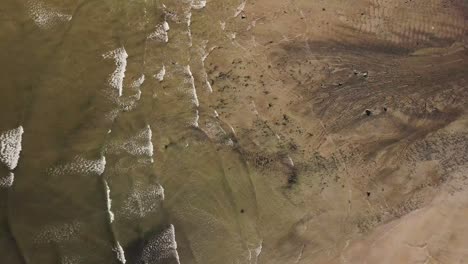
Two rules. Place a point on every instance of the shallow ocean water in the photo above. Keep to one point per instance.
(230, 131)
(112, 165)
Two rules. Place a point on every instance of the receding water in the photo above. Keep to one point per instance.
(112, 165)
(226, 131)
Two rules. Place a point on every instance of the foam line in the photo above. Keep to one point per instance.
(7, 181)
(117, 77)
(10, 147)
(191, 80)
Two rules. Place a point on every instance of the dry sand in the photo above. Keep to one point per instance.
(235, 131)
(353, 116)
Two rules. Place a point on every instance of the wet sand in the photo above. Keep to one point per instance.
(233, 131)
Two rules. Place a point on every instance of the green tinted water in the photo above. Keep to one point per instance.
(102, 174)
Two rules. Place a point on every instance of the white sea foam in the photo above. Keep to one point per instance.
(71, 260)
(207, 53)
(169, 14)
(299, 257)
(109, 202)
(232, 129)
(208, 85)
(223, 25)
(123, 103)
(252, 25)
(229, 142)
(10, 147)
(204, 56)
(138, 145)
(117, 77)
(198, 4)
(215, 132)
(240, 8)
(7, 181)
(58, 233)
(137, 86)
(120, 253)
(163, 246)
(160, 75)
(137, 96)
(147, 148)
(44, 16)
(254, 108)
(166, 26)
(191, 80)
(139, 82)
(163, 197)
(112, 114)
(160, 32)
(142, 201)
(196, 119)
(257, 251)
(80, 165)
(232, 35)
(188, 17)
